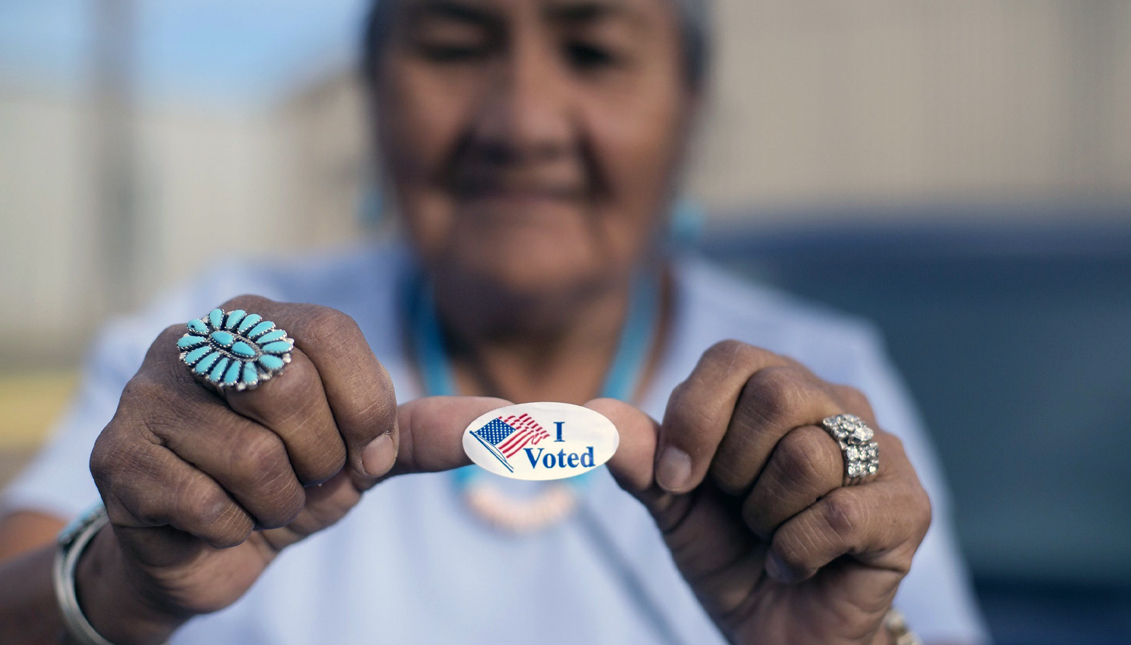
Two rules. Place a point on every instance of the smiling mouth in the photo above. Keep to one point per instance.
(491, 190)
(513, 183)
(521, 199)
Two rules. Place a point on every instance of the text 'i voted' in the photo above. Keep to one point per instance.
(540, 441)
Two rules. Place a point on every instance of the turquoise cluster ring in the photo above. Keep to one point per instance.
(235, 349)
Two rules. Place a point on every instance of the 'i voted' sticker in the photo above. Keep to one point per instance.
(540, 441)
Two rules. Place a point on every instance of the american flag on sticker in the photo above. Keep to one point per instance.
(505, 437)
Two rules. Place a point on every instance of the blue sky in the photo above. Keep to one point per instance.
(211, 51)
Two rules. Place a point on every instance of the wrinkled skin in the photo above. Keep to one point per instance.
(752, 506)
(204, 489)
(554, 129)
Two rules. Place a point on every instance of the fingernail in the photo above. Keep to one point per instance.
(674, 469)
(378, 457)
(777, 568)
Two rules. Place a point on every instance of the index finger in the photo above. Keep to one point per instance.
(431, 431)
(700, 410)
(357, 387)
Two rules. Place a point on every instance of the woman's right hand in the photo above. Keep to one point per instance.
(203, 489)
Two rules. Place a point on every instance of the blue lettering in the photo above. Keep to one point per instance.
(560, 460)
(531, 456)
(559, 424)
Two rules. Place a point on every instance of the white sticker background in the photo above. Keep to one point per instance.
(541, 441)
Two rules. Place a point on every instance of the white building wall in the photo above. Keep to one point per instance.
(45, 223)
(814, 105)
(875, 101)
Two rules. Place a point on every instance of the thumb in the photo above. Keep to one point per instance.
(431, 431)
(430, 439)
(632, 465)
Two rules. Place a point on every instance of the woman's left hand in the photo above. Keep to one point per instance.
(748, 491)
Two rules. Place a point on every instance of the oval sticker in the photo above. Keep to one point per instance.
(540, 441)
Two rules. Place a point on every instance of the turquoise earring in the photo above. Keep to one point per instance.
(371, 207)
(687, 219)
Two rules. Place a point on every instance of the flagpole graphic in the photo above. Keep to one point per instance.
(503, 438)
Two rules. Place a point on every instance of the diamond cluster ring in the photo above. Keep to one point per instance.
(861, 453)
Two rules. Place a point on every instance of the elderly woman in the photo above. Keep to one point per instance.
(532, 147)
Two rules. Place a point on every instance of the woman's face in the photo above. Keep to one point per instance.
(532, 144)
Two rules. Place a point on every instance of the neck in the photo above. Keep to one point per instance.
(544, 349)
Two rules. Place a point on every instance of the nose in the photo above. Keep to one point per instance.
(525, 115)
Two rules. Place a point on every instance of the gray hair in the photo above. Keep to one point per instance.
(695, 21)
(695, 25)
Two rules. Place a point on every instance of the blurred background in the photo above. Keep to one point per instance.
(959, 172)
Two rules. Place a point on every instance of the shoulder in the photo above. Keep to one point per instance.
(714, 305)
(837, 347)
(336, 276)
(353, 280)
(361, 282)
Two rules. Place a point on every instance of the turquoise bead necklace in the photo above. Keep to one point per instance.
(558, 500)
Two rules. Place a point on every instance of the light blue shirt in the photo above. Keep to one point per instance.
(412, 564)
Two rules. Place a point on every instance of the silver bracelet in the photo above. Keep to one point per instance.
(896, 627)
(71, 543)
